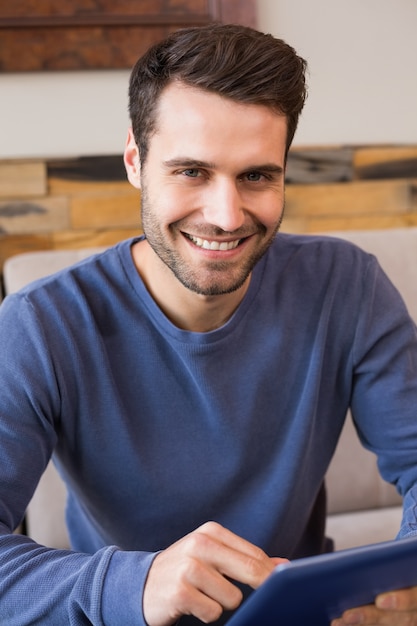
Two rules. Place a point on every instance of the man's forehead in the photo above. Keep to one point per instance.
(188, 96)
(192, 125)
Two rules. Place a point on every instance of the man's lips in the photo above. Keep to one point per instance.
(212, 244)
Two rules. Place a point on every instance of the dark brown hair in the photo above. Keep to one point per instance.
(236, 62)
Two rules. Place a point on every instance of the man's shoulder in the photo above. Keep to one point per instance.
(316, 246)
(307, 262)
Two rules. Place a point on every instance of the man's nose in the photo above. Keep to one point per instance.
(224, 206)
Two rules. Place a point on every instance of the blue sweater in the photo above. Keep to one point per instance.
(157, 430)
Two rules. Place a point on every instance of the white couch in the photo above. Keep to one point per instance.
(362, 507)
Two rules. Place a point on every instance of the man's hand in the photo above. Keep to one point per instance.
(396, 608)
(193, 576)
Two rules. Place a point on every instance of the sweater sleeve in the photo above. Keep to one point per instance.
(39, 585)
(384, 399)
(48, 586)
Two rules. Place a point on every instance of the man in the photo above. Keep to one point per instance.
(192, 383)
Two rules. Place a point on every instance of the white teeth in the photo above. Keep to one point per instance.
(214, 245)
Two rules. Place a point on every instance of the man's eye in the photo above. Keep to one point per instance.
(254, 177)
(191, 172)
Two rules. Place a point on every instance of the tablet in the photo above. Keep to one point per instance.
(317, 589)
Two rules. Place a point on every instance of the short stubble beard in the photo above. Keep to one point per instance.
(188, 277)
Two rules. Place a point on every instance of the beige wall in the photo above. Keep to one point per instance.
(363, 87)
(362, 57)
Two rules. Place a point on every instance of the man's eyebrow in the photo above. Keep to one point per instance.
(266, 167)
(187, 162)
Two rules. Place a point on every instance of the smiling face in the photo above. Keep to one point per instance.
(212, 187)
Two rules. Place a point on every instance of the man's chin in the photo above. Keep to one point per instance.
(212, 287)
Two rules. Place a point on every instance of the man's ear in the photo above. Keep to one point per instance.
(131, 160)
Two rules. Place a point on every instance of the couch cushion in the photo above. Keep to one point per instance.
(21, 269)
(349, 530)
(353, 480)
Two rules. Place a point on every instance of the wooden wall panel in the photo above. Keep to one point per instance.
(20, 179)
(84, 202)
(99, 34)
(389, 162)
(354, 198)
(34, 215)
(106, 210)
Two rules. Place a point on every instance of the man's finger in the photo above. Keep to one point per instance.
(231, 555)
(402, 600)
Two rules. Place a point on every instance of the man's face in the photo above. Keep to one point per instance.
(212, 187)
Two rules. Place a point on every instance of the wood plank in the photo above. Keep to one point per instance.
(20, 178)
(319, 165)
(105, 168)
(106, 211)
(356, 222)
(60, 186)
(380, 163)
(294, 225)
(71, 239)
(359, 222)
(356, 198)
(57, 12)
(371, 155)
(34, 215)
(413, 195)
